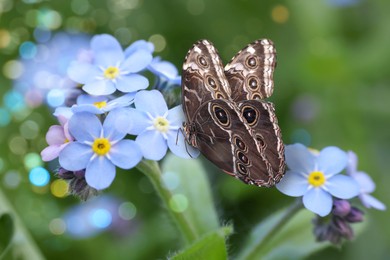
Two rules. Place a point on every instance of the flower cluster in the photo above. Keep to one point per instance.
(316, 176)
(114, 122)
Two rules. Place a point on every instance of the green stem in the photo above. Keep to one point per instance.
(24, 243)
(152, 170)
(274, 229)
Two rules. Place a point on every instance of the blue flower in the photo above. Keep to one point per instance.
(101, 104)
(316, 178)
(111, 70)
(166, 72)
(365, 182)
(157, 127)
(99, 148)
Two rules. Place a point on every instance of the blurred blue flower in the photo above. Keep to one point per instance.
(365, 182)
(99, 148)
(167, 74)
(139, 45)
(316, 178)
(101, 104)
(111, 70)
(157, 127)
(44, 74)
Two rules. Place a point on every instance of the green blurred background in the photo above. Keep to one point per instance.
(331, 88)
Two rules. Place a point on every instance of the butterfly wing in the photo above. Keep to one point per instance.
(224, 137)
(250, 72)
(203, 78)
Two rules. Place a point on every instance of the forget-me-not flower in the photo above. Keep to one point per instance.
(111, 70)
(316, 178)
(101, 104)
(157, 127)
(166, 72)
(365, 182)
(99, 148)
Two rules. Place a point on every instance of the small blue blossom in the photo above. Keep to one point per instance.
(101, 104)
(365, 182)
(111, 70)
(316, 178)
(139, 45)
(99, 148)
(157, 127)
(166, 72)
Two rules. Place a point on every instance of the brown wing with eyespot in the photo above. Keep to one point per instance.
(203, 78)
(250, 72)
(226, 138)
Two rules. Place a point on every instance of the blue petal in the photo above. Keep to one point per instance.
(370, 202)
(332, 160)
(116, 125)
(293, 184)
(367, 185)
(176, 117)
(139, 121)
(86, 108)
(100, 173)
(88, 99)
(352, 163)
(163, 69)
(152, 144)
(179, 147)
(139, 45)
(318, 201)
(342, 186)
(107, 50)
(85, 127)
(137, 61)
(122, 101)
(75, 156)
(151, 101)
(125, 154)
(132, 83)
(299, 158)
(99, 87)
(82, 72)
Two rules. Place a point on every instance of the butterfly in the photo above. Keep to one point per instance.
(227, 118)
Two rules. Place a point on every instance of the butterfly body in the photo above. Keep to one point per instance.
(227, 118)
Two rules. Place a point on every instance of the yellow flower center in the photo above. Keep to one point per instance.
(316, 178)
(161, 124)
(111, 72)
(101, 146)
(100, 104)
(66, 140)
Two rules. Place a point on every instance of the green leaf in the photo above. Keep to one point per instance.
(210, 246)
(6, 231)
(294, 240)
(187, 181)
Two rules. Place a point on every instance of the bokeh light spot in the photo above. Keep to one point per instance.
(5, 38)
(39, 176)
(28, 50)
(11, 179)
(301, 136)
(32, 160)
(170, 180)
(42, 35)
(49, 19)
(159, 42)
(280, 14)
(59, 188)
(18, 145)
(13, 69)
(80, 7)
(5, 117)
(29, 129)
(178, 203)
(57, 226)
(127, 210)
(101, 218)
(55, 97)
(14, 101)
